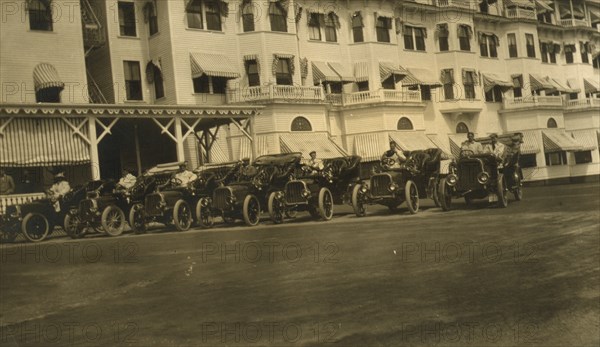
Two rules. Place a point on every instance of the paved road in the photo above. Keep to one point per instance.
(527, 275)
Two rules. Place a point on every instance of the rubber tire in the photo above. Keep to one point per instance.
(518, 193)
(247, 218)
(73, 232)
(104, 220)
(182, 206)
(137, 209)
(413, 206)
(276, 211)
(201, 213)
(28, 218)
(502, 192)
(435, 196)
(325, 206)
(360, 210)
(444, 196)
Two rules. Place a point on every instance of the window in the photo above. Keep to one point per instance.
(331, 21)
(469, 82)
(548, 51)
(199, 11)
(462, 128)
(551, 123)
(569, 49)
(283, 73)
(278, 17)
(483, 46)
(584, 48)
(213, 16)
(252, 72)
(210, 85)
(544, 52)
(448, 82)
(494, 94)
(389, 83)
(518, 85)
(442, 30)
(425, 93)
(334, 87)
(248, 17)
(583, 157)
(545, 17)
(527, 160)
(154, 76)
(487, 45)
(530, 45)
(314, 27)
(127, 19)
(133, 80)
(40, 15)
(194, 14)
(202, 84)
(464, 37)
(151, 17)
(414, 38)
(301, 124)
(363, 86)
(405, 124)
(51, 94)
(556, 158)
(596, 62)
(512, 45)
(219, 85)
(383, 26)
(357, 27)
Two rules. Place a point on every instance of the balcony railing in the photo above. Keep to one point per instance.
(273, 92)
(520, 13)
(453, 3)
(529, 101)
(574, 22)
(374, 96)
(582, 103)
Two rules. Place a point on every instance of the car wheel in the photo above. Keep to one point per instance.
(444, 195)
(113, 220)
(434, 193)
(203, 214)
(325, 204)
(72, 226)
(289, 213)
(502, 192)
(357, 204)
(35, 227)
(182, 215)
(137, 221)
(251, 210)
(518, 193)
(276, 208)
(411, 194)
(313, 211)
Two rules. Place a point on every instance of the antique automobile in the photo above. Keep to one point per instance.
(409, 182)
(247, 197)
(484, 175)
(317, 191)
(37, 219)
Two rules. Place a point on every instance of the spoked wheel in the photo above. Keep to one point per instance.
(182, 215)
(325, 204)
(434, 193)
(411, 194)
(357, 204)
(113, 220)
(137, 220)
(35, 227)
(518, 193)
(276, 208)
(72, 226)
(204, 216)
(251, 210)
(444, 195)
(502, 192)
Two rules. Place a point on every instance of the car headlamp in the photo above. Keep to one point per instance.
(393, 187)
(305, 193)
(451, 179)
(364, 188)
(483, 177)
(279, 195)
(230, 199)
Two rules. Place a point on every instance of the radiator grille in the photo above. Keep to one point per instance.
(467, 175)
(153, 202)
(293, 192)
(220, 198)
(380, 185)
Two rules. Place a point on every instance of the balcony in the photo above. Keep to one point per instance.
(460, 106)
(532, 101)
(520, 13)
(273, 92)
(453, 3)
(574, 22)
(582, 103)
(374, 96)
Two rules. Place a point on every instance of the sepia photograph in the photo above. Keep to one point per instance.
(302, 173)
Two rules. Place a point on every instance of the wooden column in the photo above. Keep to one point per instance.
(179, 139)
(94, 158)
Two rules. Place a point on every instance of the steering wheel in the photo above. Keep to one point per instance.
(466, 153)
(176, 181)
(306, 170)
(260, 179)
(388, 162)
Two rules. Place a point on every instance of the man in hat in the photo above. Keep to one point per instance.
(471, 145)
(315, 163)
(127, 180)
(58, 189)
(395, 154)
(185, 176)
(496, 148)
(7, 184)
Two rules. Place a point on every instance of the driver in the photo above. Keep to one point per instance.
(127, 180)
(314, 163)
(58, 189)
(495, 148)
(471, 144)
(184, 175)
(395, 154)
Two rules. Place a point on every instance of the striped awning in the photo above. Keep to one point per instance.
(341, 71)
(418, 76)
(441, 143)
(530, 143)
(29, 142)
(46, 76)
(368, 147)
(543, 6)
(591, 85)
(562, 87)
(557, 140)
(519, 3)
(456, 141)
(361, 71)
(490, 80)
(212, 64)
(306, 142)
(242, 147)
(539, 82)
(586, 138)
(323, 73)
(387, 69)
(411, 140)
